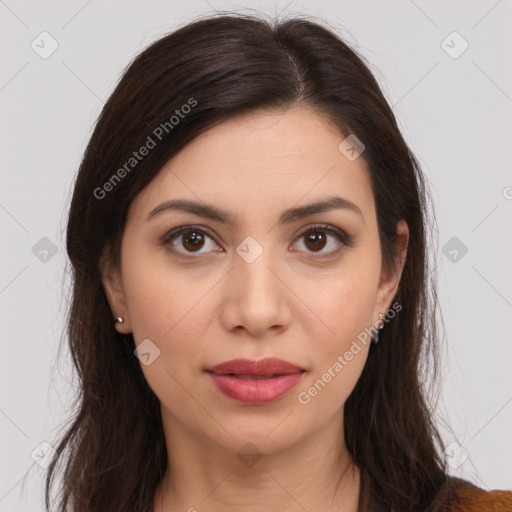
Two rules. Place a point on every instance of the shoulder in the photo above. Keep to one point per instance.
(460, 495)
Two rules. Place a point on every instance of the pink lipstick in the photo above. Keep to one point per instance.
(255, 382)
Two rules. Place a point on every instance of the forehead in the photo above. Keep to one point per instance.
(262, 160)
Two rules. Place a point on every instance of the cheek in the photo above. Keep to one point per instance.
(327, 390)
(165, 308)
(347, 300)
(339, 358)
(161, 298)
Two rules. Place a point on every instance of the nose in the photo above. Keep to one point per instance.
(256, 297)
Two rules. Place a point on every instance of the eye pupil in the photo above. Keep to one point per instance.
(315, 237)
(196, 238)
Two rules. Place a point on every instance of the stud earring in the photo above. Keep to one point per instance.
(119, 319)
(375, 337)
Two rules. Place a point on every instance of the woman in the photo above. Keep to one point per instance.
(251, 297)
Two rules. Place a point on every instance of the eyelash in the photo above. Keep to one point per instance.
(344, 239)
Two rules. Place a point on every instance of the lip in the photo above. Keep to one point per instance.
(267, 366)
(271, 379)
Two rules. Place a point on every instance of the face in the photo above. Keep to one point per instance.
(264, 282)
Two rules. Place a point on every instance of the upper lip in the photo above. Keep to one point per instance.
(268, 366)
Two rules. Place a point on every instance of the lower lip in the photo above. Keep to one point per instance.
(262, 391)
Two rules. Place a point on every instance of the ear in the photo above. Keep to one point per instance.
(112, 284)
(390, 280)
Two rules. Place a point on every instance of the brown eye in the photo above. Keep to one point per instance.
(317, 238)
(189, 240)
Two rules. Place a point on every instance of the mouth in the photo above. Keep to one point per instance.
(255, 382)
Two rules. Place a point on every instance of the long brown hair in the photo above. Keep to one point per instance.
(113, 455)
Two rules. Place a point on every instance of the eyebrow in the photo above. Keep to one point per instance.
(225, 217)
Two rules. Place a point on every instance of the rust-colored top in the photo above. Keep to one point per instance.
(456, 495)
(463, 496)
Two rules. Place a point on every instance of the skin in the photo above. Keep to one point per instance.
(288, 303)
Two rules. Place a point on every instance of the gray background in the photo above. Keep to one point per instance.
(455, 114)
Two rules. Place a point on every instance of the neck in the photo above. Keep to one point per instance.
(316, 474)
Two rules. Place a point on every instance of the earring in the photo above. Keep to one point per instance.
(375, 337)
(119, 319)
